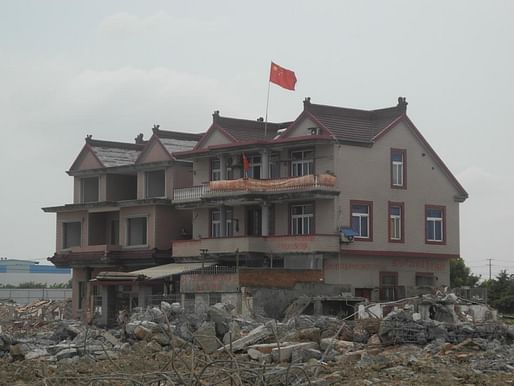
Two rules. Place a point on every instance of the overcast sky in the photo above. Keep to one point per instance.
(115, 68)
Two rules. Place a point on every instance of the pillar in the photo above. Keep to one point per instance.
(265, 164)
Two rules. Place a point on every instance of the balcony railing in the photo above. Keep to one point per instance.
(263, 244)
(250, 185)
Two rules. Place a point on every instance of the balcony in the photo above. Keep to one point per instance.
(265, 244)
(247, 188)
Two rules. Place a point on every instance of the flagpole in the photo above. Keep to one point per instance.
(266, 116)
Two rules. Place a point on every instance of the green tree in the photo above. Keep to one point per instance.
(460, 274)
(500, 292)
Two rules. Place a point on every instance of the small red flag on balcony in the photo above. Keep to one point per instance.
(283, 77)
(246, 164)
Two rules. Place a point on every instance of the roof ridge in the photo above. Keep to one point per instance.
(121, 145)
(181, 135)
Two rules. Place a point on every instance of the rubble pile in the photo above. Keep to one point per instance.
(167, 346)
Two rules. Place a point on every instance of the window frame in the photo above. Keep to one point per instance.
(403, 153)
(213, 170)
(369, 204)
(304, 161)
(424, 274)
(212, 222)
(82, 194)
(401, 205)
(127, 231)
(147, 172)
(63, 237)
(442, 208)
(252, 164)
(303, 216)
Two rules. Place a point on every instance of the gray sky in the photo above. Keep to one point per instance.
(113, 69)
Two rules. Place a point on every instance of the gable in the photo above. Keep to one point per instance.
(300, 127)
(215, 136)
(422, 161)
(86, 160)
(153, 152)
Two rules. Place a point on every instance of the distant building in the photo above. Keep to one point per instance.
(14, 272)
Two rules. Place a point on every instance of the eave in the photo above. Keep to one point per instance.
(106, 204)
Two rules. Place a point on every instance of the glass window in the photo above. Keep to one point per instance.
(395, 222)
(136, 231)
(71, 234)
(435, 224)
(302, 219)
(361, 220)
(425, 279)
(254, 162)
(398, 168)
(302, 163)
(155, 184)
(215, 169)
(215, 223)
(89, 189)
(229, 222)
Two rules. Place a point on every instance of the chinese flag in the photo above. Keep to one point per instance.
(283, 77)
(246, 164)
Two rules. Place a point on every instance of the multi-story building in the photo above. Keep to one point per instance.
(121, 218)
(341, 198)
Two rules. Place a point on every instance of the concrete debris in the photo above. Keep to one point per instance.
(166, 345)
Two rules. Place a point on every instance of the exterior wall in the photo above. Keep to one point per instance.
(201, 171)
(89, 161)
(155, 153)
(182, 177)
(363, 271)
(278, 278)
(364, 174)
(215, 138)
(140, 185)
(140, 211)
(102, 187)
(79, 216)
(205, 283)
(301, 129)
(76, 190)
(168, 225)
(201, 223)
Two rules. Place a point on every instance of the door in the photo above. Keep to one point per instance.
(254, 221)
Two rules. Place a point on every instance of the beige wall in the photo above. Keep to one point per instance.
(139, 211)
(364, 174)
(154, 153)
(201, 171)
(168, 225)
(363, 271)
(80, 216)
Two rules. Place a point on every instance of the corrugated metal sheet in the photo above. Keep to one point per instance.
(169, 269)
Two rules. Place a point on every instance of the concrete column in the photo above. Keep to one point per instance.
(265, 220)
(104, 293)
(223, 226)
(223, 167)
(265, 164)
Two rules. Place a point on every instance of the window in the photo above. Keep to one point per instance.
(274, 166)
(229, 222)
(215, 169)
(425, 279)
(398, 168)
(389, 286)
(115, 232)
(71, 234)
(302, 219)
(435, 224)
(89, 189)
(82, 294)
(254, 163)
(396, 221)
(362, 212)
(215, 223)
(214, 298)
(136, 231)
(155, 184)
(302, 163)
(229, 172)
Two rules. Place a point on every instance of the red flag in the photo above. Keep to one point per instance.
(283, 77)
(246, 164)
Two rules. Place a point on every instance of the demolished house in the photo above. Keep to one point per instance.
(337, 202)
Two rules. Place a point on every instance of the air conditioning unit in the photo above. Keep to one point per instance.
(346, 234)
(314, 130)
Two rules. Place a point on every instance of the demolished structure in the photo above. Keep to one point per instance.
(337, 202)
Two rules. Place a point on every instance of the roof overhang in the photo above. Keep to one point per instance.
(106, 206)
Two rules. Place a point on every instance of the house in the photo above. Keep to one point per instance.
(121, 217)
(337, 201)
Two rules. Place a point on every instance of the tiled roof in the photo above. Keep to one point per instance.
(354, 125)
(113, 154)
(248, 130)
(175, 141)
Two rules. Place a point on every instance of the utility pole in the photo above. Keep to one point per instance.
(490, 260)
